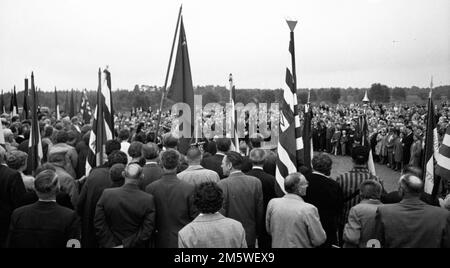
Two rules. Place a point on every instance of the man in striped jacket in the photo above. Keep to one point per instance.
(350, 181)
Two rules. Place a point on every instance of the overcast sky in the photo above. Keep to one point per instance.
(345, 43)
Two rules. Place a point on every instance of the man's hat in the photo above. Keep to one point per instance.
(361, 153)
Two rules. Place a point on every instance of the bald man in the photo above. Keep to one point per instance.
(291, 221)
(12, 190)
(412, 223)
(125, 216)
(195, 174)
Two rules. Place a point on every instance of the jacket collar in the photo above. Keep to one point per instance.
(194, 167)
(412, 201)
(130, 186)
(236, 174)
(294, 196)
(371, 202)
(209, 217)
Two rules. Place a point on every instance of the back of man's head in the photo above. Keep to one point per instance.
(411, 185)
(223, 144)
(322, 163)
(258, 156)
(132, 172)
(117, 157)
(111, 146)
(124, 134)
(235, 159)
(194, 155)
(360, 155)
(170, 159)
(295, 183)
(135, 149)
(170, 141)
(61, 136)
(46, 184)
(370, 189)
(150, 151)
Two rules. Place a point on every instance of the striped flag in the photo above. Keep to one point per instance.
(35, 143)
(365, 142)
(234, 130)
(290, 142)
(26, 110)
(2, 104)
(72, 105)
(85, 108)
(58, 114)
(14, 108)
(443, 160)
(431, 144)
(307, 136)
(102, 127)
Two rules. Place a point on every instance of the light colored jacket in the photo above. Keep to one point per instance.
(196, 175)
(212, 231)
(293, 223)
(361, 224)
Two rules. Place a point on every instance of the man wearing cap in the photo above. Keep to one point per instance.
(12, 190)
(44, 224)
(350, 182)
(125, 216)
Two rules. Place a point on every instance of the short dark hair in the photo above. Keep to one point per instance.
(193, 154)
(208, 197)
(170, 159)
(124, 134)
(322, 163)
(117, 157)
(169, 141)
(150, 151)
(360, 154)
(48, 131)
(61, 136)
(46, 166)
(135, 149)
(46, 182)
(370, 189)
(223, 144)
(111, 146)
(235, 159)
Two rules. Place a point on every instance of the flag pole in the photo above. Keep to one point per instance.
(167, 75)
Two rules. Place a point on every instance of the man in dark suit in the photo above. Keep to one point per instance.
(152, 169)
(326, 195)
(268, 182)
(125, 216)
(12, 190)
(412, 223)
(407, 141)
(44, 224)
(96, 182)
(243, 197)
(173, 199)
(214, 162)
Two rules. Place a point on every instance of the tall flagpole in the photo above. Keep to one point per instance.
(167, 75)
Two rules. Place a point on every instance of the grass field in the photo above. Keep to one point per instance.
(342, 164)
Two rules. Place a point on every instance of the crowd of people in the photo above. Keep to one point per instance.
(148, 194)
(396, 132)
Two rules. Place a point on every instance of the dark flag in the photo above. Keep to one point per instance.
(85, 108)
(67, 104)
(307, 136)
(290, 142)
(102, 127)
(14, 108)
(181, 89)
(431, 146)
(2, 104)
(72, 105)
(57, 111)
(35, 144)
(365, 142)
(25, 111)
(234, 124)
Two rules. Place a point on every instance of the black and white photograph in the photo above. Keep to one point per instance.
(241, 125)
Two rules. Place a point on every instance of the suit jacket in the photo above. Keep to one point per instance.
(82, 150)
(407, 142)
(174, 208)
(43, 225)
(270, 164)
(412, 224)
(243, 201)
(212, 231)
(96, 182)
(152, 172)
(294, 223)
(12, 191)
(125, 216)
(214, 163)
(326, 195)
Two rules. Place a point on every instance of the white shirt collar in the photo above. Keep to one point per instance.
(258, 167)
(151, 162)
(219, 153)
(318, 173)
(47, 201)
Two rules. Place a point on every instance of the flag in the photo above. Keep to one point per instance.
(102, 127)
(365, 142)
(234, 129)
(181, 89)
(430, 147)
(67, 104)
(2, 135)
(290, 142)
(307, 137)
(2, 104)
(25, 111)
(443, 160)
(35, 143)
(14, 108)
(58, 114)
(85, 108)
(72, 105)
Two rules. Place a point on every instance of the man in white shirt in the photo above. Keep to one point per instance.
(124, 135)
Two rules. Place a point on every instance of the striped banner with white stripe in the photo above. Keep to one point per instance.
(443, 160)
